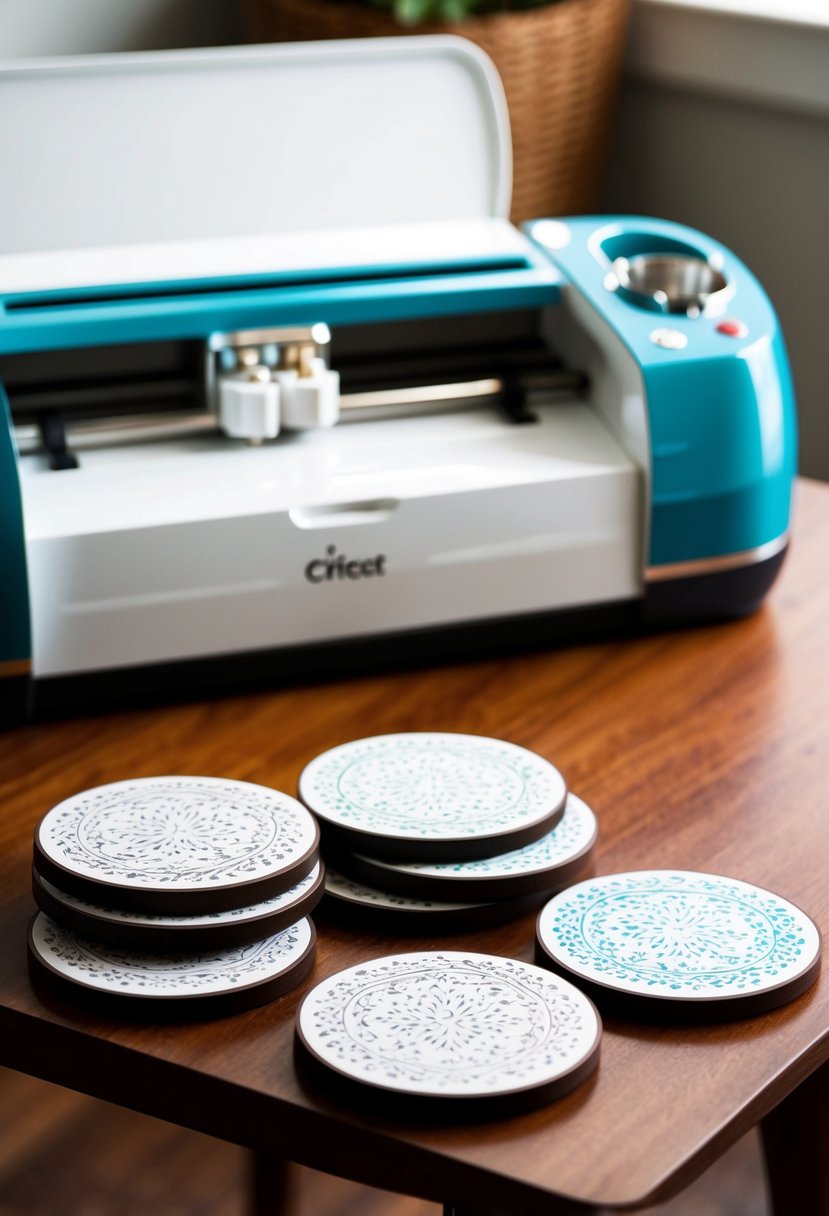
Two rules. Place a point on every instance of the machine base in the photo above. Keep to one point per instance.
(705, 597)
(721, 596)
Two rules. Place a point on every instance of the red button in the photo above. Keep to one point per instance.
(732, 328)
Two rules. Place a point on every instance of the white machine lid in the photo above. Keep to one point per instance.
(226, 147)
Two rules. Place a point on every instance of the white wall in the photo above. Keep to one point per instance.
(724, 125)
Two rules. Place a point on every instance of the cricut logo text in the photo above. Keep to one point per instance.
(336, 565)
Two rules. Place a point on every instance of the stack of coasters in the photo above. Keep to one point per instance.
(448, 1034)
(184, 891)
(679, 944)
(444, 830)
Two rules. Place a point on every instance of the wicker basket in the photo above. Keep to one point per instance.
(560, 67)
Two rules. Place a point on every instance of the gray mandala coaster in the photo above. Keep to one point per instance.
(433, 796)
(384, 911)
(452, 1027)
(546, 865)
(216, 981)
(687, 943)
(141, 931)
(177, 845)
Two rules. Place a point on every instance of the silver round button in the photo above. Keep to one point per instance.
(669, 339)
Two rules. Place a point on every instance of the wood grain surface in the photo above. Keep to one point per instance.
(704, 749)
(142, 1165)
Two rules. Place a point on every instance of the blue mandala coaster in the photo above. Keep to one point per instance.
(474, 1032)
(688, 944)
(429, 796)
(546, 865)
(198, 983)
(176, 845)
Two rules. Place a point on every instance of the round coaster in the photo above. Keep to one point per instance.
(686, 943)
(546, 865)
(452, 1027)
(218, 981)
(178, 845)
(395, 913)
(140, 931)
(433, 797)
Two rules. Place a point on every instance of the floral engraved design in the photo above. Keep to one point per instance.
(448, 1020)
(681, 933)
(449, 1023)
(158, 830)
(113, 969)
(178, 831)
(432, 785)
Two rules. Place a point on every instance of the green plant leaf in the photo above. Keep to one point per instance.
(412, 12)
(455, 10)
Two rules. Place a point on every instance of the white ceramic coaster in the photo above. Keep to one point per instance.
(684, 939)
(221, 981)
(140, 931)
(433, 797)
(179, 845)
(452, 1026)
(546, 865)
(385, 911)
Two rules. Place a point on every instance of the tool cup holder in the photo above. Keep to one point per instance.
(669, 282)
(667, 277)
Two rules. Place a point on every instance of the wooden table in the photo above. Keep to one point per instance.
(703, 749)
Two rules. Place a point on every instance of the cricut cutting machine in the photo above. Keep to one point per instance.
(284, 391)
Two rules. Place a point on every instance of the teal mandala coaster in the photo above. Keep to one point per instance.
(544, 866)
(681, 940)
(429, 796)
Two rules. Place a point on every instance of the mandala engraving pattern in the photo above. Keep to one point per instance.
(177, 832)
(452, 1020)
(427, 785)
(687, 934)
(112, 969)
(449, 1023)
